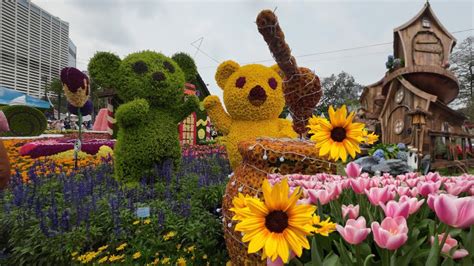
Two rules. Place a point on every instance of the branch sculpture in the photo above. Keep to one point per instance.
(301, 87)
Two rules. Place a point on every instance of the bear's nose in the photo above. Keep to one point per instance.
(257, 96)
(158, 76)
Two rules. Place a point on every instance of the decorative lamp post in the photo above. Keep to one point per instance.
(419, 121)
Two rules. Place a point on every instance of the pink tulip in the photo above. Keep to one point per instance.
(449, 244)
(454, 188)
(353, 170)
(320, 195)
(414, 203)
(454, 211)
(430, 201)
(379, 195)
(355, 231)
(426, 188)
(412, 182)
(394, 209)
(352, 210)
(3, 123)
(358, 185)
(278, 261)
(391, 234)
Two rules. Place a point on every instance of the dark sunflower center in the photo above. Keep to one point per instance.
(338, 134)
(276, 221)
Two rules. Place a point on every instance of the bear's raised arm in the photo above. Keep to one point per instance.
(132, 113)
(182, 111)
(219, 117)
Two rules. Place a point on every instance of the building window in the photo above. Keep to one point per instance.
(398, 126)
(426, 23)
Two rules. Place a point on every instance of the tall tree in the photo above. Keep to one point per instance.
(56, 87)
(338, 90)
(462, 64)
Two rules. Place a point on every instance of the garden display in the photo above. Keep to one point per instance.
(253, 99)
(150, 84)
(316, 188)
(24, 121)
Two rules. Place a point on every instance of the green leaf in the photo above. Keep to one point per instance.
(331, 260)
(368, 259)
(406, 259)
(315, 258)
(434, 254)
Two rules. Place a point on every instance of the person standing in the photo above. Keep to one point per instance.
(4, 161)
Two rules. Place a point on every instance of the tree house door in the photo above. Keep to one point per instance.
(427, 49)
(399, 125)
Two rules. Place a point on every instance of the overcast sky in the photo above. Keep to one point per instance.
(229, 31)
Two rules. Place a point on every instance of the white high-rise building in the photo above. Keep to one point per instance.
(34, 47)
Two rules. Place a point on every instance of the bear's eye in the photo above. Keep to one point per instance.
(140, 67)
(273, 83)
(240, 82)
(168, 66)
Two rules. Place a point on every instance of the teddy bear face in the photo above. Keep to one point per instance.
(151, 76)
(252, 92)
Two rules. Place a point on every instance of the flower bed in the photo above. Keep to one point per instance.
(414, 219)
(37, 149)
(63, 163)
(89, 217)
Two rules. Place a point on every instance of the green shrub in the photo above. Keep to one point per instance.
(24, 120)
(186, 63)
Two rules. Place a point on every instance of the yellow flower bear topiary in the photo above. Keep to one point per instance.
(253, 97)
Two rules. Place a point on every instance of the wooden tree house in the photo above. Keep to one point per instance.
(410, 103)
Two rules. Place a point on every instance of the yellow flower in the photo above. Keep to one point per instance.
(165, 260)
(371, 138)
(191, 249)
(136, 222)
(323, 228)
(121, 247)
(339, 136)
(116, 258)
(169, 235)
(155, 262)
(277, 225)
(147, 221)
(136, 255)
(103, 260)
(178, 246)
(103, 248)
(74, 254)
(204, 257)
(181, 261)
(240, 208)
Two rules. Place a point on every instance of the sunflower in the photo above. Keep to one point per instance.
(276, 225)
(323, 228)
(370, 138)
(339, 136)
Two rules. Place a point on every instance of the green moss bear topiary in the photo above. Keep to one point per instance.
(24, 120)
(151, 86)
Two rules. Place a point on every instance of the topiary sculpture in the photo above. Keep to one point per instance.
(253, 99)
(24, 120)
(151, 86)
(302, 88)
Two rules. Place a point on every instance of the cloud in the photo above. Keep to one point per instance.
(229, 30)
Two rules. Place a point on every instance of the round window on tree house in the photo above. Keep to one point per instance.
(398, 126)
(399, 96)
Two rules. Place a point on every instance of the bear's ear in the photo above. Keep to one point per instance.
(224, 71)
(277, 69)
(103, 68)
(186, 63)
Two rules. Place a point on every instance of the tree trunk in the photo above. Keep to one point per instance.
(59, 106)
